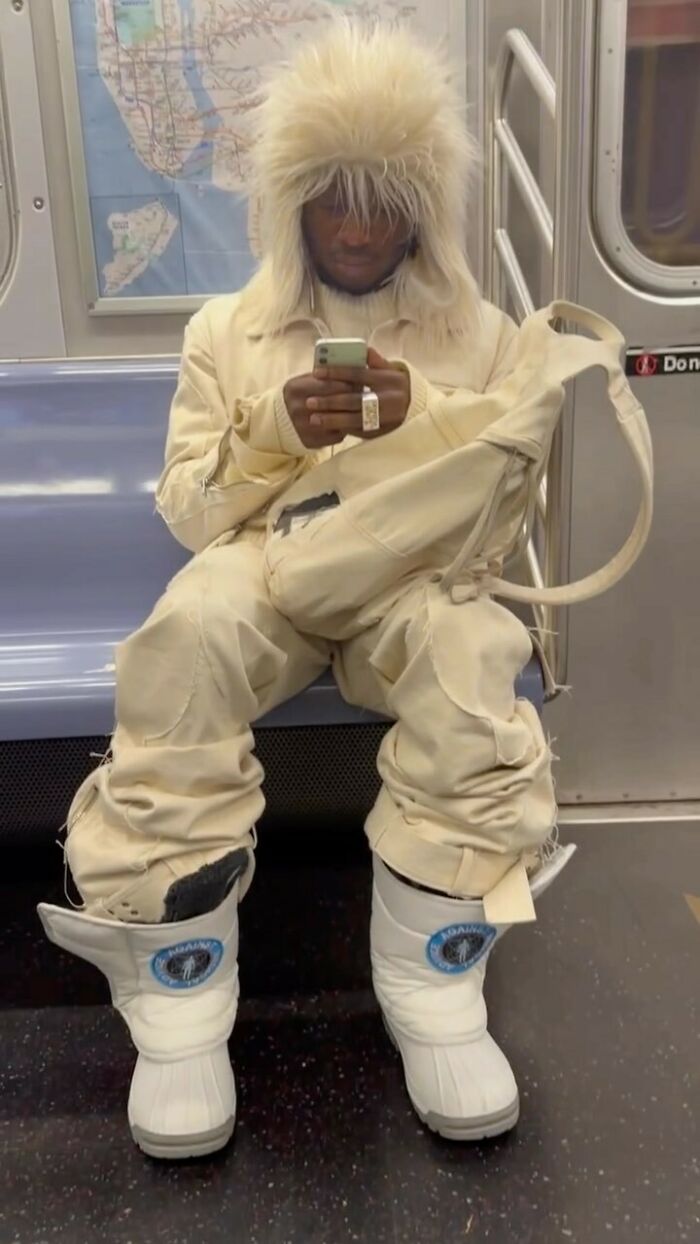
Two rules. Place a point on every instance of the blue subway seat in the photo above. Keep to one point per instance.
(83, 557)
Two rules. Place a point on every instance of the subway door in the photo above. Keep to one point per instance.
(619, 180)
(629, 733)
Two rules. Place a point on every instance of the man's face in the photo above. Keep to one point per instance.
(345, 253)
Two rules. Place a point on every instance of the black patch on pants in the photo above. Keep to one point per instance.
(301, 515)
(206, 889)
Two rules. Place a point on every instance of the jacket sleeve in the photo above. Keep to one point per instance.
(221, 466)
(497, 347)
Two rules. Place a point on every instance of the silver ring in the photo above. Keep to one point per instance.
(371, 421)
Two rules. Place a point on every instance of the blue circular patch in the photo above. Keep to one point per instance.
(458, 947)
(188, 963)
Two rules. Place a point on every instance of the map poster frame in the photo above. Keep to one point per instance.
(98, 303)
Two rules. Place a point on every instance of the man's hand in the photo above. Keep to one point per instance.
(300, 391)
(340, 414)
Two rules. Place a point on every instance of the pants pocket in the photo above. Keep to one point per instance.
(477, 650)
(157, 669)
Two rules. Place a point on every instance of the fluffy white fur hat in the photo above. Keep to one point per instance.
(372, 106)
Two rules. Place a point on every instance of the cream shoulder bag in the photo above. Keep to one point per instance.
(449, 494)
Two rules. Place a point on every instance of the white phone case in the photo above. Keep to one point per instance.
(340, 352)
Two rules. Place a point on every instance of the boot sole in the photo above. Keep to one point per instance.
(483, 1128)
(176, 1148)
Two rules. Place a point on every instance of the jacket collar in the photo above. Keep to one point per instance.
(306, 313)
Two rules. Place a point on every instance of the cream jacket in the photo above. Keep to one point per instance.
(231, 446)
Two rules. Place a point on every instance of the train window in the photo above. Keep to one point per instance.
(648, 174)
(7, 215)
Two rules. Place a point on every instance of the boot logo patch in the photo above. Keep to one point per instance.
(188, 963)
(458, 947)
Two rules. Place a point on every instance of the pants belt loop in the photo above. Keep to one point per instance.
(510, 899)
(463, 877)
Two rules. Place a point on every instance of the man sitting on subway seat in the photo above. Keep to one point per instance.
(361, 169)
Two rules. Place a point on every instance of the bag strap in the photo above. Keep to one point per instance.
(573, 355)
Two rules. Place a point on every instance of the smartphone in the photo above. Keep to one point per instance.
(340, 352)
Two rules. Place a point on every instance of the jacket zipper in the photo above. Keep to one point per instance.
(206, 484)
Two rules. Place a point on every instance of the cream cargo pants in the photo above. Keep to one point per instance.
(467, 789)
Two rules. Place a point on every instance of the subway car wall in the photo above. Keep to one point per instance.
(125, 167)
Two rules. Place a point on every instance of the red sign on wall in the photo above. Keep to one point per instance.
(675, 361)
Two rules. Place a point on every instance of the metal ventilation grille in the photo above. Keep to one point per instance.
(310, 772)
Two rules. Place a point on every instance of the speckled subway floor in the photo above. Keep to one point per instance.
(596, 1005)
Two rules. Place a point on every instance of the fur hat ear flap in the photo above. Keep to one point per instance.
(373, 109)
